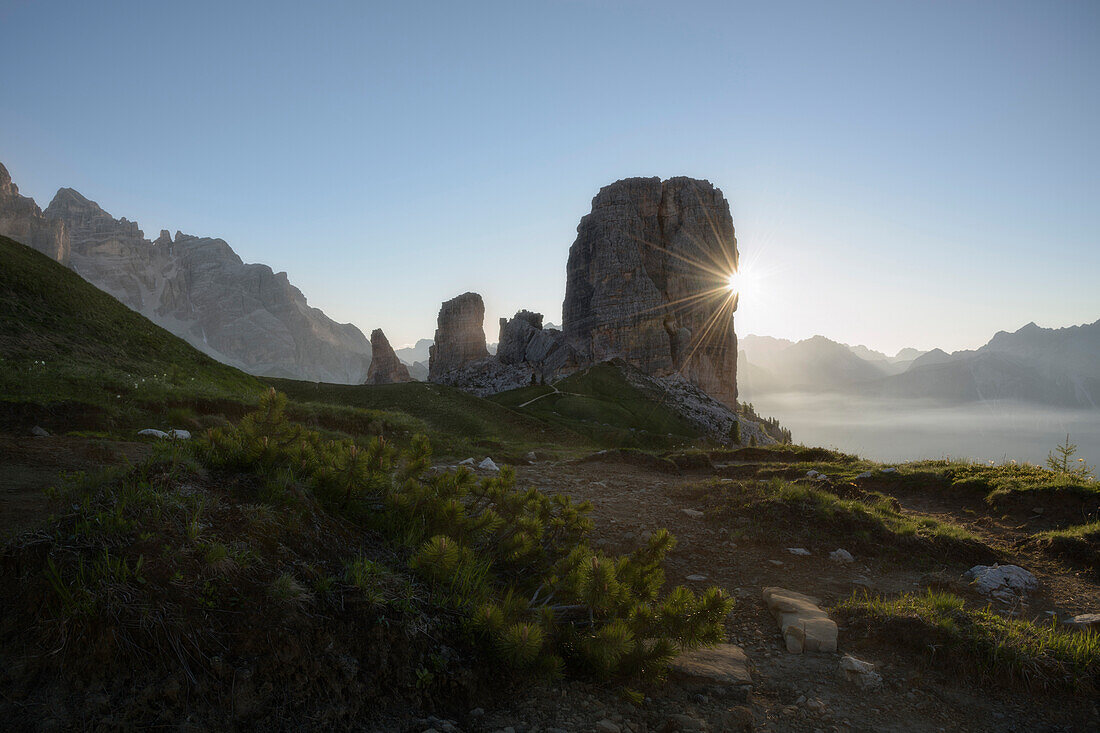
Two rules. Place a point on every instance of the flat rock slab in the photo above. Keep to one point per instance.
(805, 627)
(725, 667)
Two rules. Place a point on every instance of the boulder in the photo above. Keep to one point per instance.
(1006, 583)
(859, 673)
(1084, 622)
(841, 555)
(459, 336)
(23, 221)
(805, 627)
(488, 465)
(724, 666)
(385, 367)
(40, 432)
(647, 280)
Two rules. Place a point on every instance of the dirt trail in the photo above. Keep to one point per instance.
(804, 692)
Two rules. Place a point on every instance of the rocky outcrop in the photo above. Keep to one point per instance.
(244, 315)
(459, 336)
(524, 342)
(646, 281)
(23, 221)
(385, 367)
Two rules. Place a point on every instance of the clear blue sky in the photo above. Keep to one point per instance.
(900, 173)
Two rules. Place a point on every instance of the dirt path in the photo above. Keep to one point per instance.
(805, 692)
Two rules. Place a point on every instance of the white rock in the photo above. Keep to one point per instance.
(693, 513)
(865, 474)
(812, 474)
(179, 434)
(890, 470)
(861, 674)
(488, 465)
(1003, 582)
(799, 551)
(154, 433)
(697, 578)
(40, 432)
(840, 555)
(530, 457)
(467, 462)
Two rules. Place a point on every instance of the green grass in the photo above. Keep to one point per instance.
(1079, 544)
(68, 345)
(601, 404)
(970, 641)
(820, 520)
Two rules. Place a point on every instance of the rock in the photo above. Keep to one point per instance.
(488, 465)
(477, 712)
(693, 513)
(40, 432)
(385, 367)
(812, 474)
(23, 221)
(244, 315)
(606, 726)
(459, 335)
(724, 666)
(638, 276)
(467, 462)
(861, 674)
(524, 342)
(179, 434)
(840, 555)
(1038, 510)
(681, 722)
(890, 470)
(777, 563)
(801, 551)
(531, 456)
(865, 474)
(1006, 583)
(805, 627)
(696, 578)
(154, 433)
(1084, 622)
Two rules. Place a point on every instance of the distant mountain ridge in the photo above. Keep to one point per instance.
(244, 315)
(1053, 366)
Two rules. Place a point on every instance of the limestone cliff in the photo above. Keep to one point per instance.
(23, 221)
(385, 367)
(198, 288)
(646, 282)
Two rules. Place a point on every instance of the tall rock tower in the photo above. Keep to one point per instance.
(647, 281)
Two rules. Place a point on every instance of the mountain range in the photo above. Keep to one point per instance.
(244, 315)
(1052, 366)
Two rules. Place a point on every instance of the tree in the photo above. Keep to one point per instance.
(1060, 460)
(735, 433)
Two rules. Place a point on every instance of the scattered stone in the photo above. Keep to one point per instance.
(1006, 583)
(777, 563)
(477, 712)
(841, 555)
(681, 722)
(1084, 622)
(40, 432)
(801, 551)
(865, 474)
(467, 462)
(531, 457)
(179, 434)
(154, 433)
(606, 726)
(1038, 510)
(861, 674)
(693, 513)
(890, 470)
(488, 465)
(805, 627)
(697, 578)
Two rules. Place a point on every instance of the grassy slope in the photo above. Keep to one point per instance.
(600, 404)
(62, 340)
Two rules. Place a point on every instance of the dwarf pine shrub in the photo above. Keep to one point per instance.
(515, 562)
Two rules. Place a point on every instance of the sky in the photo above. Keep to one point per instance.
(900, 174)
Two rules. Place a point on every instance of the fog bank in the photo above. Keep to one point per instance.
(901, 430)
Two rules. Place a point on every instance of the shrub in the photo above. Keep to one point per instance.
(515, 562)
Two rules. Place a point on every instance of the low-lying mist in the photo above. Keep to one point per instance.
(902, 430)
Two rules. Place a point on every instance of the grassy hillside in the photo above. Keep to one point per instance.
(602, 405)
(71, 348)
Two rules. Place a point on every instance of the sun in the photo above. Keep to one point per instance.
(732, 282)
